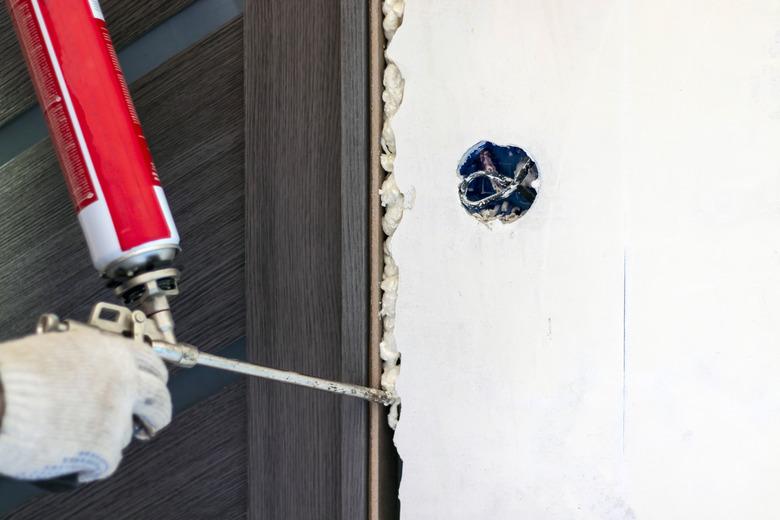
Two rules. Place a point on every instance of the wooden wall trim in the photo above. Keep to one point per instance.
(355, 280)
(376, 237)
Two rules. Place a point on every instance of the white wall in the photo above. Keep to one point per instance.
(614, 353)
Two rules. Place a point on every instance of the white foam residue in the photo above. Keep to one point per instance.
(394, 16)
(394, 203)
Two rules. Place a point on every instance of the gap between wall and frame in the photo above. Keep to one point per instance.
(384, 462)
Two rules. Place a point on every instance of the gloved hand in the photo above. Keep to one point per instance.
(70, 398)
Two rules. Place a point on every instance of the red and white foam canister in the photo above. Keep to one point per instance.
(95, 131)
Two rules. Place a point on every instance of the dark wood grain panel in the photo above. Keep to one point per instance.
(306, 261)
(194, 469)
(192, 111)
(293, 254)
(127, 20)
(355, 183)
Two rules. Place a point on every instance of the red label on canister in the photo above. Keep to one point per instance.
(94, 126)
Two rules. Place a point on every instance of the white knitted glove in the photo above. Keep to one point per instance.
(70, 398)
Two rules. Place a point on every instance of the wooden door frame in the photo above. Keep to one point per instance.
(313, 73)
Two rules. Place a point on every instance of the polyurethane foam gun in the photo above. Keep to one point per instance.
(114, 185)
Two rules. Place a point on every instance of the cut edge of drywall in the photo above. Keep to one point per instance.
(394, 203)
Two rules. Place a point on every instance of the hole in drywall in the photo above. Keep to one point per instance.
(497, 182)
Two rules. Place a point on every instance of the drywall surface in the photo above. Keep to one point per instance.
(614, 353)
